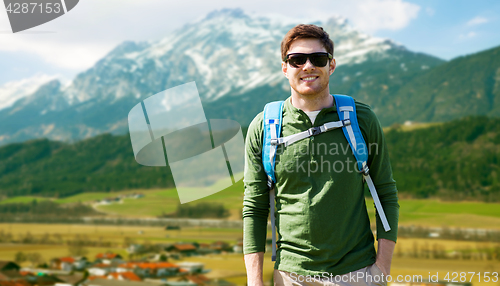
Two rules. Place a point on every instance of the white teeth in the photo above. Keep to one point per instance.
(309, 78)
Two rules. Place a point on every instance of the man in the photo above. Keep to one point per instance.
(322, 221)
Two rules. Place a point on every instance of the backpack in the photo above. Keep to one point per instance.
(273, 115)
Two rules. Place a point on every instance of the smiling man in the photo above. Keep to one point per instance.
(321, 216)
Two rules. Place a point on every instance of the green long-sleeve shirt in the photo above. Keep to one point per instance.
(321, 216)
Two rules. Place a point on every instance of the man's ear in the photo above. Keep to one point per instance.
(333, 65)
(284, 68)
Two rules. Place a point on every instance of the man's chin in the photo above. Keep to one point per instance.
(310, 92)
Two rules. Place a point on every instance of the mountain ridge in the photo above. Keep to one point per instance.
(235, 61)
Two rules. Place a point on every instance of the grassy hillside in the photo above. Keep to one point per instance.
(101, 164)
(468, 85)
(458, 160)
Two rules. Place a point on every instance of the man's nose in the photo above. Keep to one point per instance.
(308, 65)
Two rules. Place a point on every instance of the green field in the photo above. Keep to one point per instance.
(419, 212)
(89, 197)
(437, 213)
(26, 199)
(156, 202)
(427, 212)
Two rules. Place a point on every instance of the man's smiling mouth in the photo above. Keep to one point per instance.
(309, 78)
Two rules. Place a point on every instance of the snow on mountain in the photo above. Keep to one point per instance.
(226, 53)
(13, 91)
(230, 55)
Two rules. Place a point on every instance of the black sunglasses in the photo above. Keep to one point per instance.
(317, 59)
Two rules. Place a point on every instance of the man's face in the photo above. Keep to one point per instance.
(308, 80)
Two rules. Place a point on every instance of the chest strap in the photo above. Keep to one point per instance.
(289, 140)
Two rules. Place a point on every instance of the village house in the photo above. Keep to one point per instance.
(129, 276)
(68, 263)
(221, 246)
(192, 267)
(109, 258)
(101, 269)
(238, 247)
(185, 249)
(204, 249)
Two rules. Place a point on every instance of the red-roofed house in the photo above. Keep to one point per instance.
(131, 276)
(184, 249)
(68, 263)
(109, 258)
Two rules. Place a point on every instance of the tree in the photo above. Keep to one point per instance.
(20, 257)
(35, 258)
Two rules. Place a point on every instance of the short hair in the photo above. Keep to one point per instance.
(306, 31)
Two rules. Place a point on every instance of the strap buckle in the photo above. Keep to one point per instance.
(274, 142)
(314, 131)
(365, 171)
(346, 122)
(270, 183)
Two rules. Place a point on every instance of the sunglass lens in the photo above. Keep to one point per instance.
(319, 60)
(296, 61)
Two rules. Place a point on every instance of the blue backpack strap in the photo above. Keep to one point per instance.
(273, 114)
(346, 109)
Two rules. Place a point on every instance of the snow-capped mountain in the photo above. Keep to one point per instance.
(13, 91)
(234, 59)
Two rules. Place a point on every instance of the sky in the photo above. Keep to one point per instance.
(76, 41)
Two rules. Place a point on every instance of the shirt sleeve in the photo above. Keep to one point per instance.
(256, 197)
(381, 174)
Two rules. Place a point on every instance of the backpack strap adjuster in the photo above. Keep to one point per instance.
(365, 171)
(314, 131)
(270, 183)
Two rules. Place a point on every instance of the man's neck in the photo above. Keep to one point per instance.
(309, 103)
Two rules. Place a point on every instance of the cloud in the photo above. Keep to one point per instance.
(469, 35)
(373, 15)
(56, 51)
(477, 21)
(77, 40)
